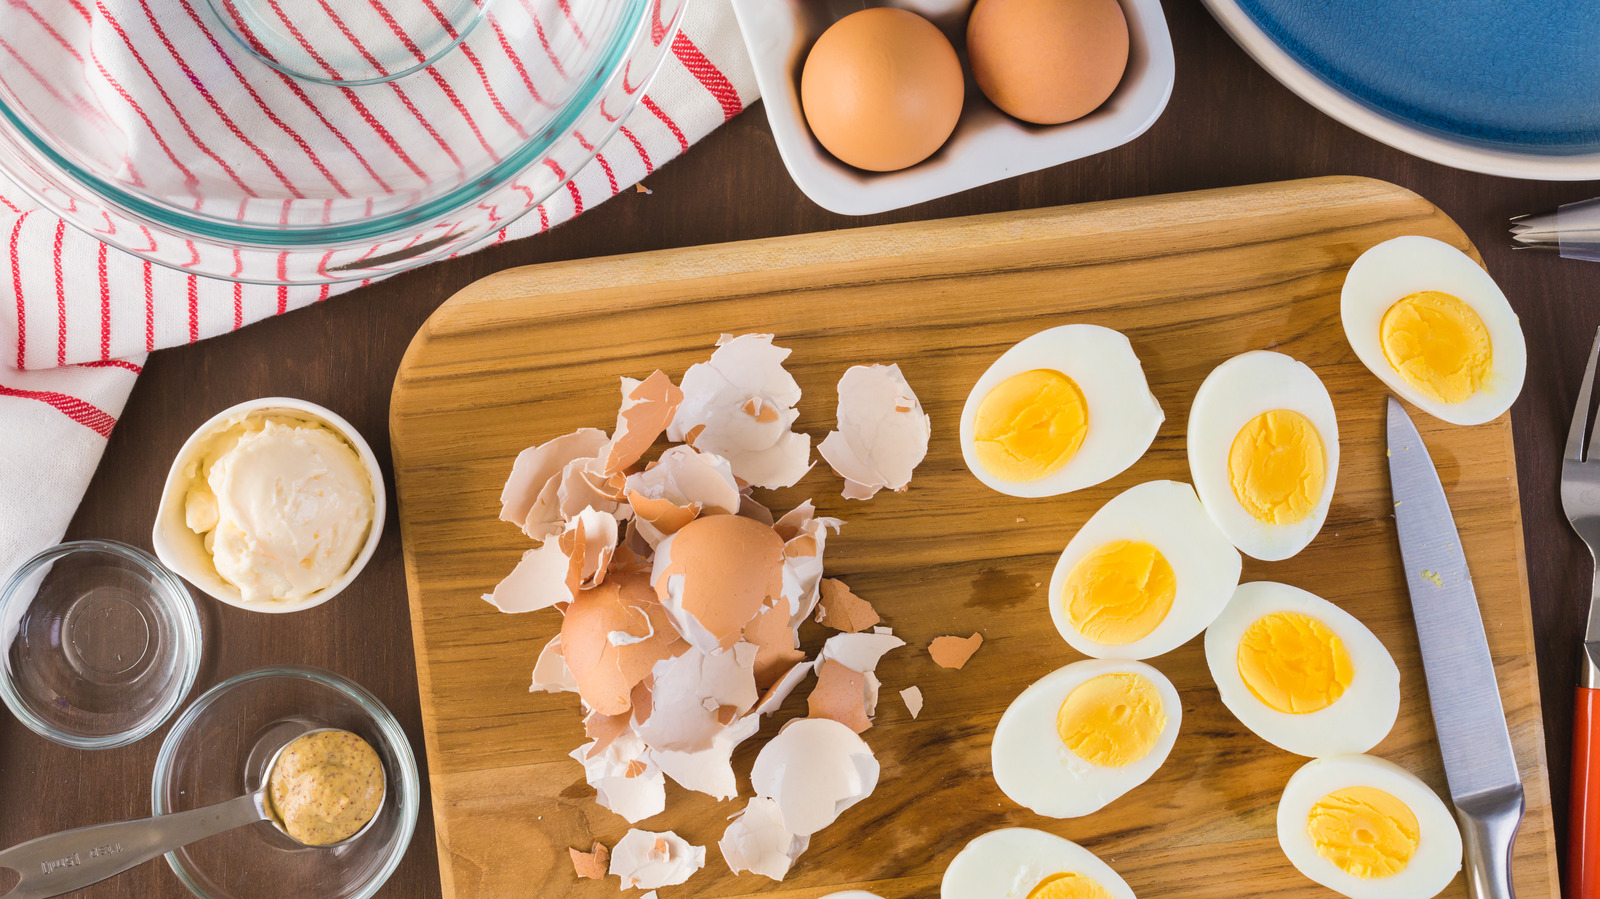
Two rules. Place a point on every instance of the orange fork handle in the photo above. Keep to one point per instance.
(1583, 836)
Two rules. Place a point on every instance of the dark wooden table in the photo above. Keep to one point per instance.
(1228, 123)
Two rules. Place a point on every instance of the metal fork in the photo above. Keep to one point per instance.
(1580, 498)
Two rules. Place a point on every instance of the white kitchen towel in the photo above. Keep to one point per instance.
(85, 314)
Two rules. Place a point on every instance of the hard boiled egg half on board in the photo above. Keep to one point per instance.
(1062, 410)
(1264, 452)
(1368, 829)
(1434, 327)
(1018, 862)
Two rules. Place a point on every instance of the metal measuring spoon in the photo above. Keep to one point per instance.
(73, 859)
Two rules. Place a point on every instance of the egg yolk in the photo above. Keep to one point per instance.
(1120, 592)
(1365, 831)
(1112, 720)
(1069, 886)
(1294, 663)
(1438, 344)
(1030, 425)
(1277, 468)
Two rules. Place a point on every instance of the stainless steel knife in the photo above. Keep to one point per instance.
(1484, 784)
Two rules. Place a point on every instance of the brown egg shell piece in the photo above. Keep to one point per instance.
(839, 695)
(953, 652)
(535, 467)
(775, 640)
(606, 673)
(591, 865)
(844, 611)
(731, 568)
(647, 410)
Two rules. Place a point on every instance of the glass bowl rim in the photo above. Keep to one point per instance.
(410, 781)
(175, 597)
(611, 67)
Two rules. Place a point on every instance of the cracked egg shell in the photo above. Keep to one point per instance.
(882, 435)
(647, 409)
(815, 769)
(740, 405)
(612, 636)
(646, 860)
(756, 841)
(715, 575)
(535, 472)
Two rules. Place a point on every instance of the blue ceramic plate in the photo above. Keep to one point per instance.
(1489, 85)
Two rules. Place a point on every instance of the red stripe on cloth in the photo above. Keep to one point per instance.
(16, 287)
(544, 41)
(48, 28)
(272, 116)
(643, 154)
(238, 305)
(105, 307)
(708, 75)
(189, 179)
(216, 107)
(111, 363)
(566, 10)
(79, 411)
(544, 218)
(194, 308)
(283, 300)
(149, 311)
(658, 28)
(439, 79)
(577, 198)
(133, 52)
(611, 177)
(683, 142)
(61, 297)
(516, 61)
(9, 205)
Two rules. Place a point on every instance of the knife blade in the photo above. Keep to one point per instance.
(1471, 722)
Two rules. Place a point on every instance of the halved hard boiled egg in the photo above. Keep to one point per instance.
(1143, 575)
(1083, 735)
(1368, 829)
(1264, 452)
(1302, 673)
(1062, 410)
(1023, 863)
(1432, 324)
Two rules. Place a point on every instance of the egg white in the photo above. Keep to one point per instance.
(1205, 565)
(1037, 770)
(1438, 855)
(1123, 416)
(1231, 396)
(1357, 721)
(1008, 863)
(1397, 268)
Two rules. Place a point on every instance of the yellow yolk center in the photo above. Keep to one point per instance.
(1438, 344)
(1120, 592)
(1364, 830)
(1112, 720)
(1277, 468)
(1068, 886)
(1294, 663)
(1030, 425)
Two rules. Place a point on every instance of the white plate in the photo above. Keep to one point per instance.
(987, 145)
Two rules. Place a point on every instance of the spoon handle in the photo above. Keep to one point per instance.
(73, 859)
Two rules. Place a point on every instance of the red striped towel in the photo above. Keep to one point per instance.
(85, 315)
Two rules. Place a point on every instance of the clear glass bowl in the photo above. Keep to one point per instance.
(220, 748)
(272, 153)
(101, 642)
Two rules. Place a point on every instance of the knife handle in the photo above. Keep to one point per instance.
(1583, 834)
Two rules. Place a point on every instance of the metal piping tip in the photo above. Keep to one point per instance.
(1535, 232)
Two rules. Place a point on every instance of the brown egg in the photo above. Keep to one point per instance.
(605, 672)
(1047, 61)
(732, 568)
(882, 89)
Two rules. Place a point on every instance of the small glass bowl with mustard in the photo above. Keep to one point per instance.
(339, 778)
(274, 505)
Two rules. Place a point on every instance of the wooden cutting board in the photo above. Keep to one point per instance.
(1192, 279)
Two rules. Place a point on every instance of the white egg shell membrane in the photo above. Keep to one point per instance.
(1438, 855)
(1205, 566)
(1009, 863)
(1123, 415)
(1357, 721)
(1231, 396)
(1397, 268)
(1038, 771)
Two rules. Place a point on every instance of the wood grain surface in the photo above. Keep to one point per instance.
(1192, 279)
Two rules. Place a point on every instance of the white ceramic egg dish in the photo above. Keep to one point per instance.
(987, 145)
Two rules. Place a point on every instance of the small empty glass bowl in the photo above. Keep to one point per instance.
(101, 643)
(220, 748)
